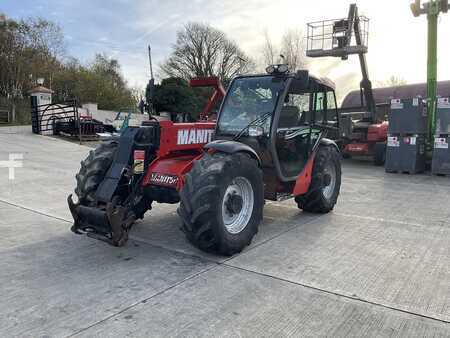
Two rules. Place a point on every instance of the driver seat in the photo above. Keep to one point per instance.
(289, 117)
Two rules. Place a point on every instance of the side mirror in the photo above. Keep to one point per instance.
(255, 131)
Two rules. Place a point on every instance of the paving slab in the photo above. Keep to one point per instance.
(397, 265)
(161, 227)
(54, 284)
(20, 227)
(358, 271)
(48, 173)
(228, 302)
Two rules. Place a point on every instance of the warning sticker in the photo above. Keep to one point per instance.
(415, 101)
(412, 140)
(443, 103)
(440, 143)
(139, 158)
(396, 104)
(393, 141)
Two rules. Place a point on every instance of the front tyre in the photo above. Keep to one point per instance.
(222, 202)
(325, 184)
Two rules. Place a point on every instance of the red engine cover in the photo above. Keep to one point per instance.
(180, 144)
(377, 132)
(169, 171)
(184, 136)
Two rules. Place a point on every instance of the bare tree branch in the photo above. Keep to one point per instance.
(291, 46)
(201, 50)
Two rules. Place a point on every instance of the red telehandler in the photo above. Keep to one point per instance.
(269, 142)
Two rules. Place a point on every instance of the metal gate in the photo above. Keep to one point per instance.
(50, 119)
(64, 119)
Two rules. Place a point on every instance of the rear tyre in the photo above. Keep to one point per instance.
(93, 170)
(346, 156)
(379, 157)
(325, 184)
(222, 202)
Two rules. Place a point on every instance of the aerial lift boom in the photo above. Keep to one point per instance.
(363, 133)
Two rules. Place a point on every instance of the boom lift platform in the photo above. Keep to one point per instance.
(342, 38)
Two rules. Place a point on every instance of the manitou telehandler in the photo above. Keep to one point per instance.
(269, 142)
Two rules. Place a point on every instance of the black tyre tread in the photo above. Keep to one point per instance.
(199, 198)
(93, 170)
(314, 201)
(379, 157)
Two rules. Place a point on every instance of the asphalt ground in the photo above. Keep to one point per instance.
(378, 265)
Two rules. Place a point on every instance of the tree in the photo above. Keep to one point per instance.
(29, 49)
(34, 48)
(100, 82)
(201, 50)
(291, 46)
(175, 96)
(393, 81)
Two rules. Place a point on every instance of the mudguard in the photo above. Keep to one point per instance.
(327, 142)
(304, 179)
(231, 147)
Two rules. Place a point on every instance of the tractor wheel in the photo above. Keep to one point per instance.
(379, 156)
(222, 202)
(326, 182)
(93, 171)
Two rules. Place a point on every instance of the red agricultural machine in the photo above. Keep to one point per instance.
(363, 127)
(269, 142)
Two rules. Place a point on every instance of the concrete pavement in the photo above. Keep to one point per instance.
(379, 265)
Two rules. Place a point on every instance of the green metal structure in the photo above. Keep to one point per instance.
(432, 9)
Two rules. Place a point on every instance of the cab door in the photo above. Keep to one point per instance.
(293, 131)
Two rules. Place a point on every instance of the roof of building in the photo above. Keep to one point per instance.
(384, 95)
(41, 89)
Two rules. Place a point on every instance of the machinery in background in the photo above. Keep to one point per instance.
(363, 130)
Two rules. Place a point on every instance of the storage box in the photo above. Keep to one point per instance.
(408, 116)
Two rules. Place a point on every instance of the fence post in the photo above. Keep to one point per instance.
(34, 115)
(13, 112)
(75, 107)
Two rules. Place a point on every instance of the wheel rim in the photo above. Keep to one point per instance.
(237, 205)
(328, 189)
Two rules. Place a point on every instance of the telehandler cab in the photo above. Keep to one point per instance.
(269, 142)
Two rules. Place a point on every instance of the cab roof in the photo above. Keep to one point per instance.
(321, 81)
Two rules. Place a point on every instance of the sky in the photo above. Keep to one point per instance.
(123, 28)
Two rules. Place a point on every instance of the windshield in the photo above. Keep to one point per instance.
(248, 99)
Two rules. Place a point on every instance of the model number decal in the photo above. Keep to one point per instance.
(163, 179)
(194, 136)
